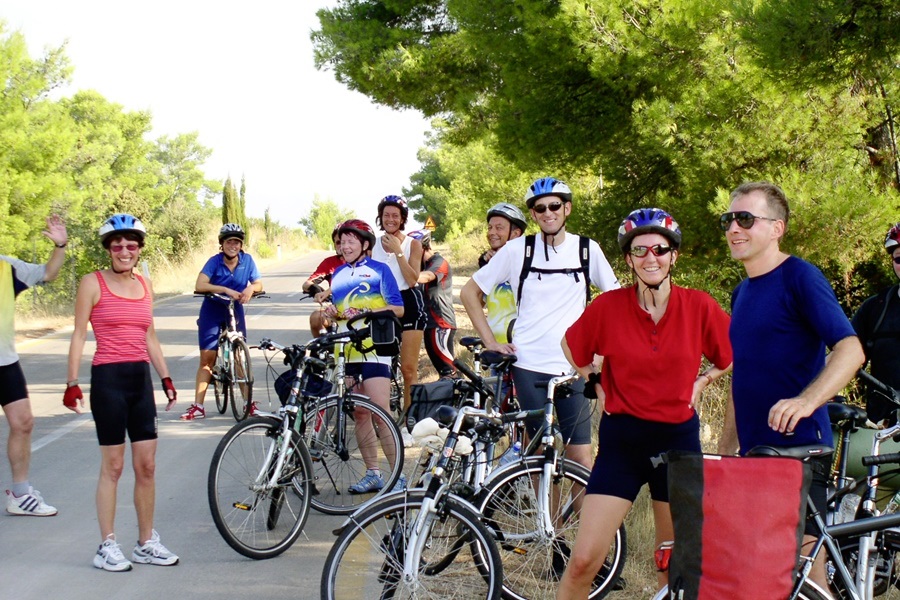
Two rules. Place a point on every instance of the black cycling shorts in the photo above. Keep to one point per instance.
(12, 384)
(627, 445)
(414, 316)
(122, 400)
(367, 370)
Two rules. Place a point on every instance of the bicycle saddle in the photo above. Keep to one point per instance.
(470, 341)
(842, 413)
(490, 358)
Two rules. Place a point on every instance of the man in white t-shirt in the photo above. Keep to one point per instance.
(551, 296)
(15, 277)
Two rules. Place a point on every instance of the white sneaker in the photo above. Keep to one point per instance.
(31, 504)
(153, 553)
(194, 412)
(109, 556)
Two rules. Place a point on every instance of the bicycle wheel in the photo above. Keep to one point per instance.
(367, 558)
(217, 382)
(337, 430)
(241, 383)
(256, 519)
(533, 561)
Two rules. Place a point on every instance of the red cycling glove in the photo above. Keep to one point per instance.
(71, 397)
(168, 386)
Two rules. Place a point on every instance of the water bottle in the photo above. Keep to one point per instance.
(893, 504)
(511, 454)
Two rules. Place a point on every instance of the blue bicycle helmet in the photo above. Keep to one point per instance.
(120, 224)
(547, 186)
(648, 220)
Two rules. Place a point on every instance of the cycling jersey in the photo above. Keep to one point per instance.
(501, 311)
(325, 270)
(213, 311)
(881, 342)
(366, 285)
(439, 294)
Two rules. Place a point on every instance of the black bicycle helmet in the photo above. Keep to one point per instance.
(231, 230)
(547, 186)
(508, 211)
(893, 239)
(648, 220)
(120, 224)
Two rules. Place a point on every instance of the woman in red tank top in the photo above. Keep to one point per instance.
(119, 305)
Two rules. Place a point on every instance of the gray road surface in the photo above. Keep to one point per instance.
(49, 558)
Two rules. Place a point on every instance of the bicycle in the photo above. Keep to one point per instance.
(233, 364)
(870, 538)
(409, 544)
(533, 507)
(338, 426)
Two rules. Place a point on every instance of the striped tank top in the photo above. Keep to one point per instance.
(120, 325)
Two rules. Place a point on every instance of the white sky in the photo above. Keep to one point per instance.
(242, 75)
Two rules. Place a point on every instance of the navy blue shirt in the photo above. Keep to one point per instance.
(781, 323)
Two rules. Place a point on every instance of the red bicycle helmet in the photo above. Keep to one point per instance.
(893, 239)
(359, 228)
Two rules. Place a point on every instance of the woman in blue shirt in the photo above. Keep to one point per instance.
(362, 285)
(231, 272)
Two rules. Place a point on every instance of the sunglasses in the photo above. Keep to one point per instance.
(744, 219)
(542, 208)
(657, 250)
(897, 260)
(131, 247)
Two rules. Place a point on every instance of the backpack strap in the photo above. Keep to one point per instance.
(892, 291)
(526, 266)
(584, 252)
(584, 256)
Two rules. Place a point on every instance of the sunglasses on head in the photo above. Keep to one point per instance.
(657, 250)
(542, 208)
(131, 247)
(744, 219)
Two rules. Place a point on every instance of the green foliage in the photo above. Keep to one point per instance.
(85, 158)
(670, 104)
(322, 218)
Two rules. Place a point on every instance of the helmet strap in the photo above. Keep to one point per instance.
(123, 271)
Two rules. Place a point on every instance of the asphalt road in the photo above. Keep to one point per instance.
(47, 558)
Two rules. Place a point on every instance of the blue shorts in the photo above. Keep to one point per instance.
(122, 400)
(627, 444)
(12, 384)
(213, 316)
(367, 370)
(573, 413)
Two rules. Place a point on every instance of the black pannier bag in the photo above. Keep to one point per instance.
(385, 331)
(314, 386)
(426, 398)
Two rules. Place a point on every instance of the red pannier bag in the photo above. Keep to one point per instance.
(739, 525)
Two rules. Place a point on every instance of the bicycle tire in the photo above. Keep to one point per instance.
(259, 523)
(336, 469)
(218, 390)
(375, 537)
(241, 382)
(396, 398)
(533, 562)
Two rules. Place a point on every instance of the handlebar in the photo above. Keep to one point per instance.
(881, 459)
(886, 390)
(226, 297)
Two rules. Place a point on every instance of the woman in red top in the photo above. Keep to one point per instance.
(119, 305)
(652, 336)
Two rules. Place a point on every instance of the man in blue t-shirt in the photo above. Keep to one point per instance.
(782, 318)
